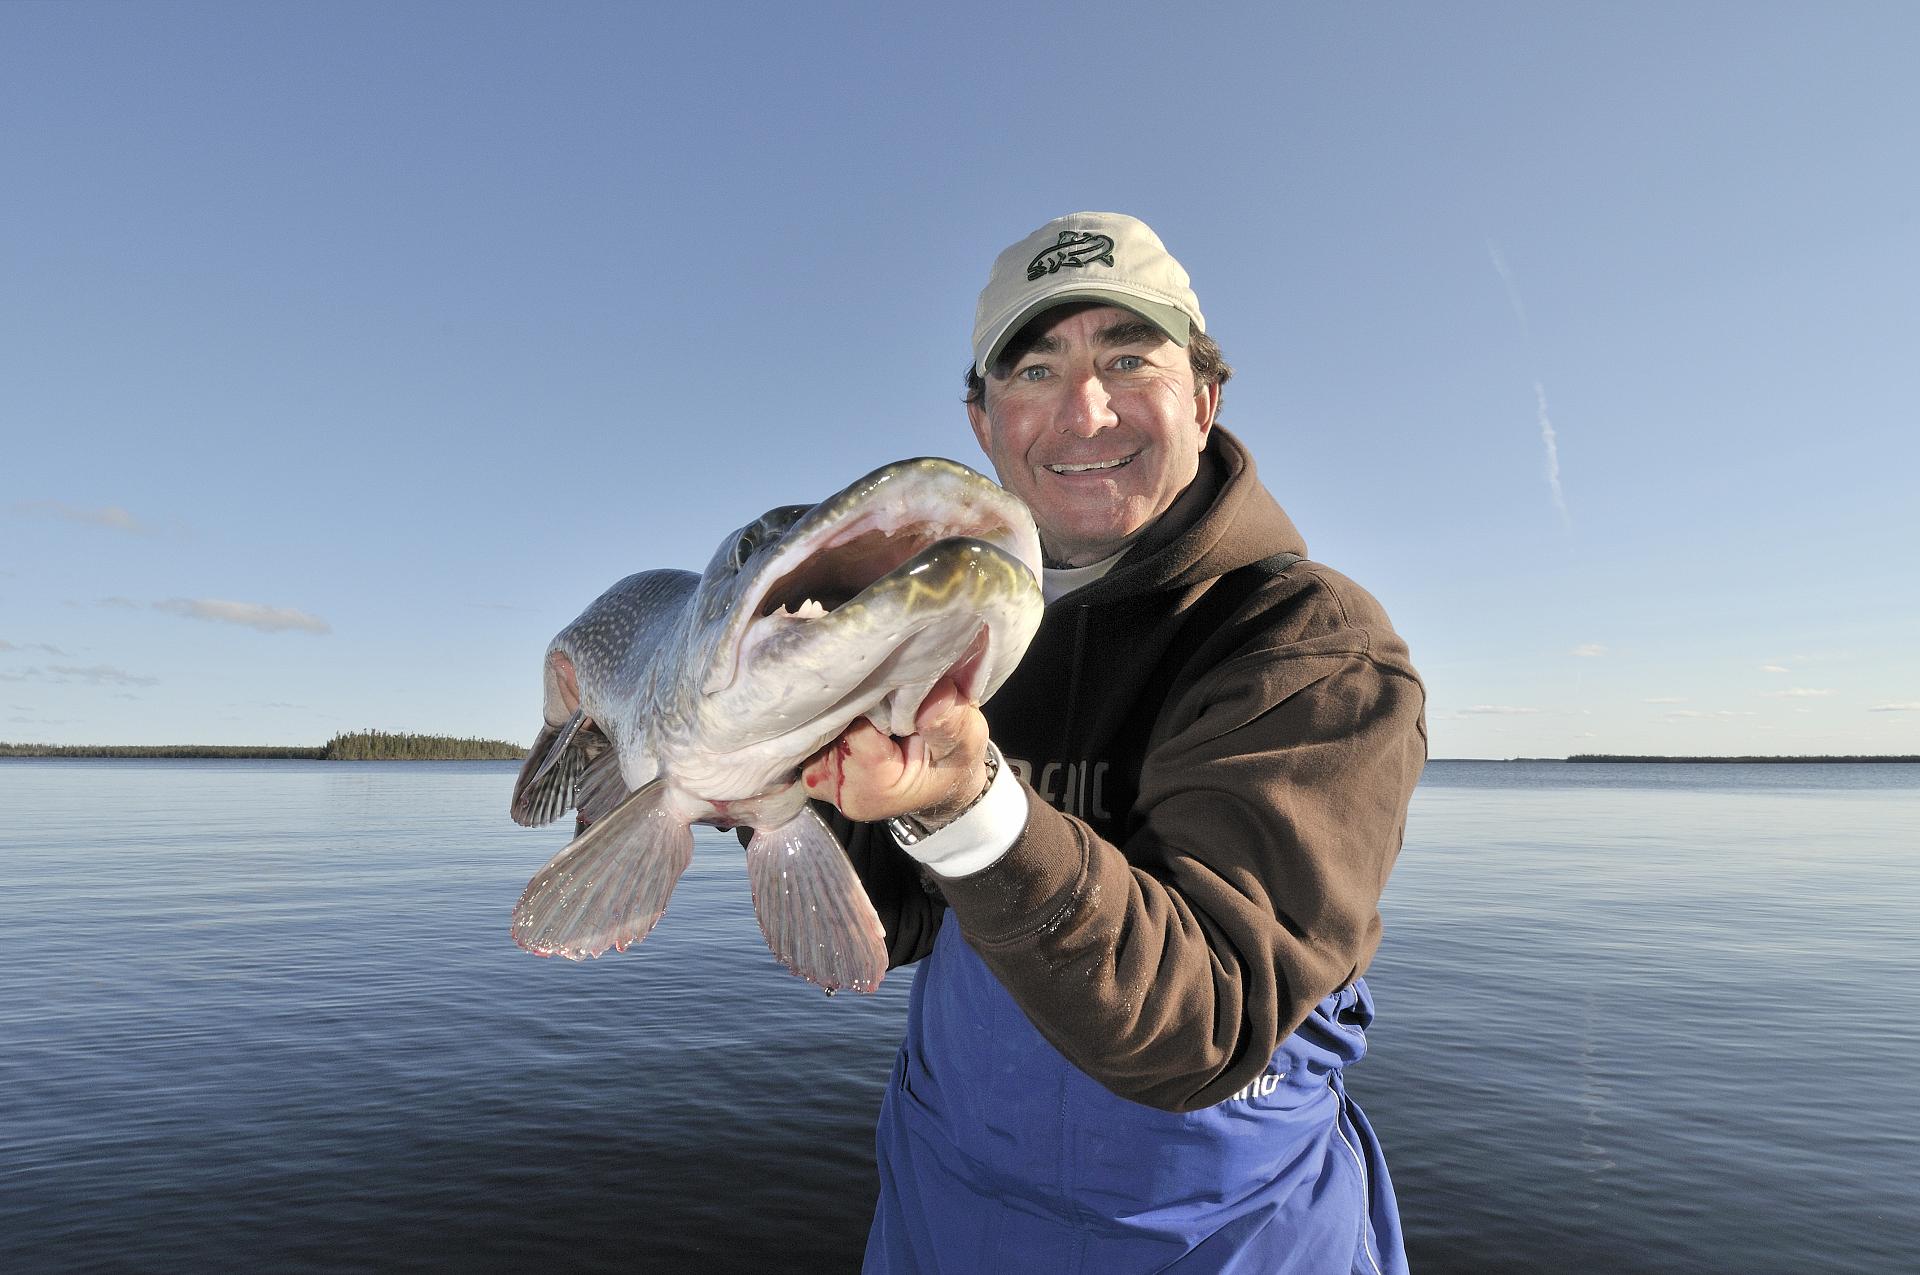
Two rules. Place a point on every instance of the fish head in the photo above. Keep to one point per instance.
(811, 616)
(728, 576)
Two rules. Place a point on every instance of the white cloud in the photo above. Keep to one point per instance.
(1799, 692)
(112, 516)
(1909, 706)
(97, 675)
(1588, 650)
(30, 646)
(1721, 712)
(1499, 710)
(85, 674)
(253, 615)
(1774, 668)
(1665, 699)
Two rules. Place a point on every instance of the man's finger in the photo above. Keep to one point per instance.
(938, 709)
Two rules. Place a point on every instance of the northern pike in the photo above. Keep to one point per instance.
(676, 699)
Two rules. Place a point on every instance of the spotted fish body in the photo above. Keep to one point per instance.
(677, 699)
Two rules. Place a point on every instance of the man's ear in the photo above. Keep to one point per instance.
(1206, 405)
(977, 417)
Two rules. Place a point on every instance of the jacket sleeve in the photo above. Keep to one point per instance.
(1272, 805)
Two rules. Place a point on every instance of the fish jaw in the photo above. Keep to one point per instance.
(858, 536)
(960, 609)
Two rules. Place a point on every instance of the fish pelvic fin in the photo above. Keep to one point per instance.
(544, 789)
(813, 910)
(611, 883)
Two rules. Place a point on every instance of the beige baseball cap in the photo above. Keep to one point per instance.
(1086, 256)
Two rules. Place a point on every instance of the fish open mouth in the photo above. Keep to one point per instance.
(938, 616)
(902, 533)
(846, 567)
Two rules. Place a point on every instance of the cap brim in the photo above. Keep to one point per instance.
(1169, 318)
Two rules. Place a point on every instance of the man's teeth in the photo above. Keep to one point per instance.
(1098, 464)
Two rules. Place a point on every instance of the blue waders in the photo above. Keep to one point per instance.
(998, 1155)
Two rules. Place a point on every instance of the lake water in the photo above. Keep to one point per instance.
(267, 1016)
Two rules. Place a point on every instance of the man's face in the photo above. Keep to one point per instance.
(1098, 428)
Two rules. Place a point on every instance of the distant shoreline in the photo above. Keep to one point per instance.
(371, 745)
(444, 748)
(1798, 760)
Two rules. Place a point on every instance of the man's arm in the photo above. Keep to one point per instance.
(1272, 811)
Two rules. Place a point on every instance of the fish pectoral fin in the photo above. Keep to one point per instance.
(813, 910)
(601, 787)
(545, 786)
(611, 883)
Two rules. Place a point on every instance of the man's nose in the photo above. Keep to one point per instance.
(1088, 408)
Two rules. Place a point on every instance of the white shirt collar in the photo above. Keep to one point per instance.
(1057, 582)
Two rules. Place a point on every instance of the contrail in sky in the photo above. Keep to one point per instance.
(1513, 292)
(1548, 439)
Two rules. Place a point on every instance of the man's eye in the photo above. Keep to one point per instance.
(1032, 372)
(1129, 363)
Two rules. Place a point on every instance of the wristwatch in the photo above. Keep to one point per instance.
(908, 830)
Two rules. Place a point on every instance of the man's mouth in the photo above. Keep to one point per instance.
(1089, 467)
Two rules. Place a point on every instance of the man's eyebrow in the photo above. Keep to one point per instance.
(1130, 332)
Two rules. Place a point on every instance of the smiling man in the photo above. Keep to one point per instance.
(1144, 882)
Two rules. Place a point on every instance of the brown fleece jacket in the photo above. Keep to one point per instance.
(1218, 753)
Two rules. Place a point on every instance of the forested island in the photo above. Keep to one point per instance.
(365, 745)
(1802, 760)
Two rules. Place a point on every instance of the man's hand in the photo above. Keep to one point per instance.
(933, 774)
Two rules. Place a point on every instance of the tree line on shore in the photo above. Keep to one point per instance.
(364, 745)
(380, 745)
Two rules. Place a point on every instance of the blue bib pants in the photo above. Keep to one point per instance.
(996, 1154)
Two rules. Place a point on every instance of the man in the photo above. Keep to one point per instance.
(1142, 935)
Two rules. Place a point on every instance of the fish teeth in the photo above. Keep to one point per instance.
(807, 610)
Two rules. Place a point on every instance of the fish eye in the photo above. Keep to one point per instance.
(743, 547)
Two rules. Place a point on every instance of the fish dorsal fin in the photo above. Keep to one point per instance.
(812, 908)
(545, 786)
(611, 883)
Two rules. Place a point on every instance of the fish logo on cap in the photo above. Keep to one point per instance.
(1075, 248)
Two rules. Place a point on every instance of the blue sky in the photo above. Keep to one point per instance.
(348, 350)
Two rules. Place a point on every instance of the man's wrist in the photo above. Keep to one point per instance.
(914, 826)
(980, 837)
